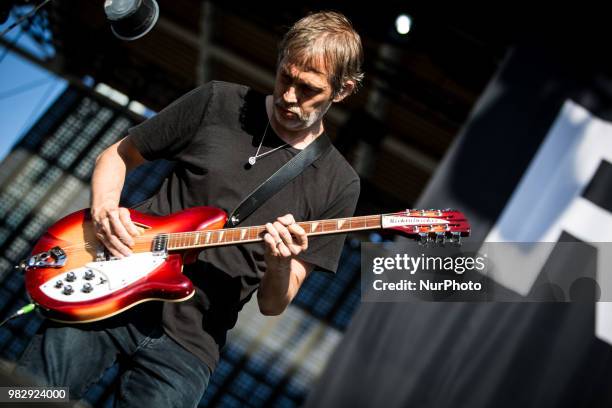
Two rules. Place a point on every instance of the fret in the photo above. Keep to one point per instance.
(237, 235)
(360, 222)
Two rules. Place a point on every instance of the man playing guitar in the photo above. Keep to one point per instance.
(225, 139)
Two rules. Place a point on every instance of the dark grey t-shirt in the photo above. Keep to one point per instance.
(210, 133)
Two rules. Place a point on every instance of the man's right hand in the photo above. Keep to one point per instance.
(112, 223)
(115, 229)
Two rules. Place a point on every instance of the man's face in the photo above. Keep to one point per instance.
(301, 97)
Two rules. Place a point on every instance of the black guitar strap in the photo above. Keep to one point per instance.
(280, 178)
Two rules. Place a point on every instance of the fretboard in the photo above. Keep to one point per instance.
(231, 236)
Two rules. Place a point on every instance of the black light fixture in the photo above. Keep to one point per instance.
(5, 10)
(131, 19)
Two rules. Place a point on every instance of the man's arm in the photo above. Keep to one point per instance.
(285, 273)
(113, 225)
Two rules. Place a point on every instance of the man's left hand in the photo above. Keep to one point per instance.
(284, 240)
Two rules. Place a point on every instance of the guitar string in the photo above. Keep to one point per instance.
(190, 234)
(143, 239)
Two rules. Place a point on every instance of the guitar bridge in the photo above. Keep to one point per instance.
(55, 257)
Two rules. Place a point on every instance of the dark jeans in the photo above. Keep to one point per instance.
(155, 370)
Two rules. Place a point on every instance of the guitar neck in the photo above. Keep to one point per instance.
(235, 236)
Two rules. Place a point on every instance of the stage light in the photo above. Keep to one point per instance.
(131, 19)
(403, 24)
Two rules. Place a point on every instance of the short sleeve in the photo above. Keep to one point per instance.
(169, 133)
(324, 250)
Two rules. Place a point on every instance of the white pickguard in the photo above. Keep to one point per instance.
(109, 276)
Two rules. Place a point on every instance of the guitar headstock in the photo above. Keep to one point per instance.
(429, 226)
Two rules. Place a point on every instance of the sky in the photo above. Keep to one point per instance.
(26, 89)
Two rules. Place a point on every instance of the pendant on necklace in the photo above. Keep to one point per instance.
(252, 160)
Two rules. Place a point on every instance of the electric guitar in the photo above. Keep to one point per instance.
(73, 278)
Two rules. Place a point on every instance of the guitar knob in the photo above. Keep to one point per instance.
(87, 287)
(59, 284)
(70, 276)
(67, 290)
(89, 274)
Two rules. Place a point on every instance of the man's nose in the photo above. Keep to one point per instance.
(290, 95)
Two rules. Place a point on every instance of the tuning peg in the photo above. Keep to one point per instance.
(440, 238)
(455, 239)
(423, 236)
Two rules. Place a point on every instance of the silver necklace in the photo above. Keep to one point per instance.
(253, 159)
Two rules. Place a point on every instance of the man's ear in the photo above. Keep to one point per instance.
(346, 90)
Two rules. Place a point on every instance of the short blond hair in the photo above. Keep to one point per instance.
(325, 37)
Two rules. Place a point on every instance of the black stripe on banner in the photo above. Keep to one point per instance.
(599, 190)
(568, 275)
